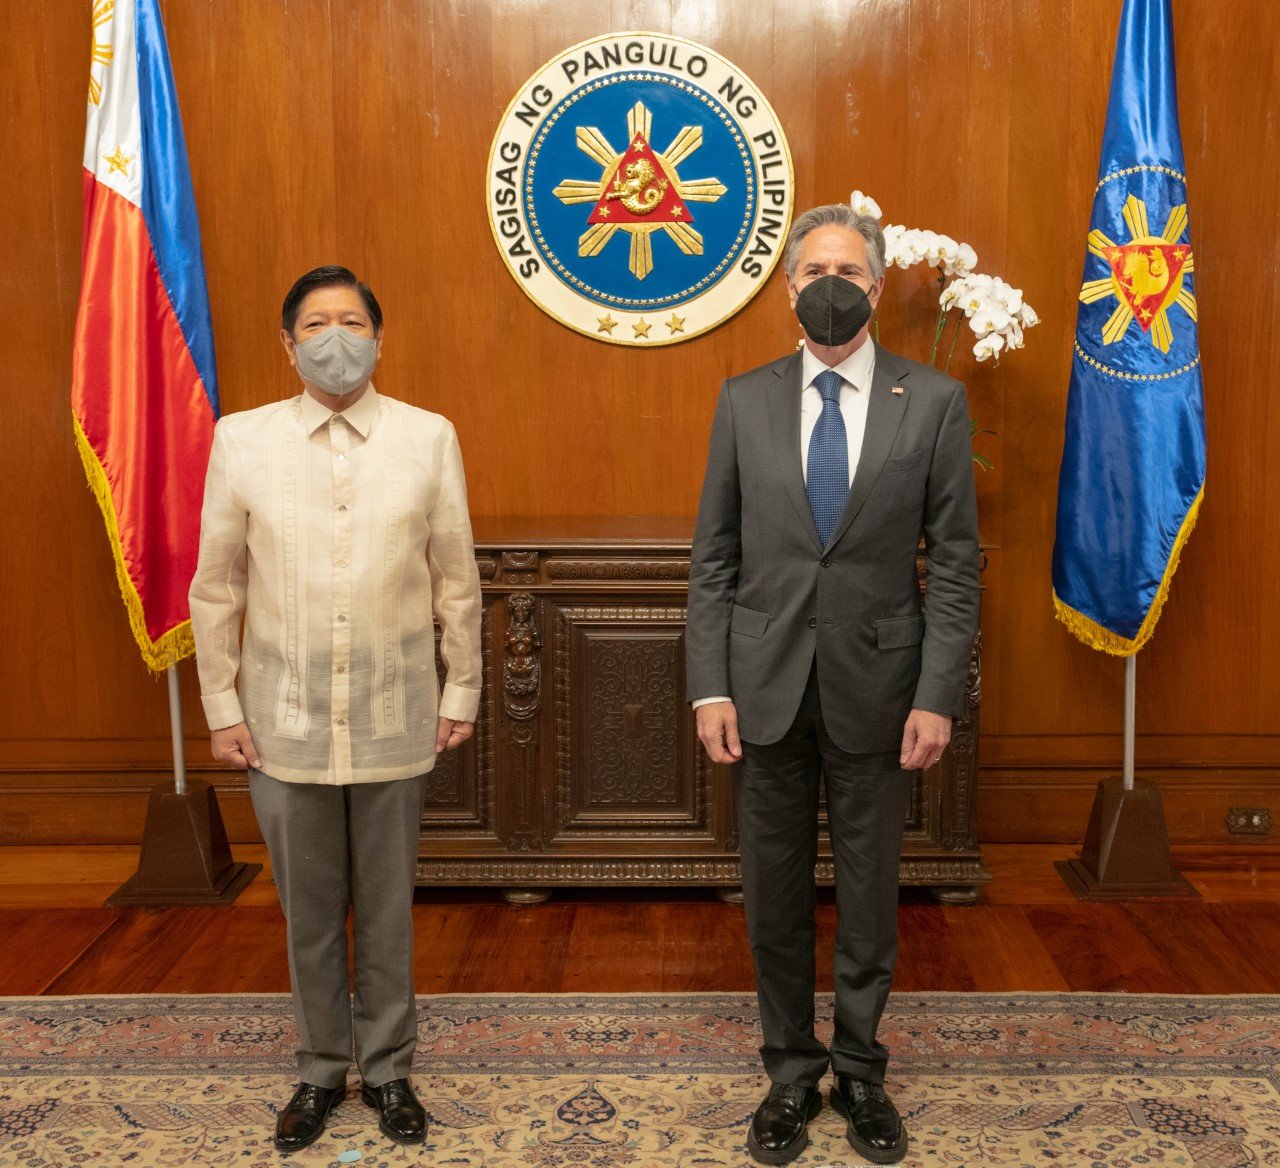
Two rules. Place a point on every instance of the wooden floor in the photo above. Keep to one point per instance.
(1025, 933)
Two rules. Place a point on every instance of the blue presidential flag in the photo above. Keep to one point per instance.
(1134, 463)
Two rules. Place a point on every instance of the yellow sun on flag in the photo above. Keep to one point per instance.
(102, 53)
(1146, 275)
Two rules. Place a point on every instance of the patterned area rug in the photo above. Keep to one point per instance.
(1071, 1080)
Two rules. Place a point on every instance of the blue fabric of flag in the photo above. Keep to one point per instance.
(168, 199)
(1133, 466)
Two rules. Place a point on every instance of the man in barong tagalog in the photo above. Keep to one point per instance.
(335, 524)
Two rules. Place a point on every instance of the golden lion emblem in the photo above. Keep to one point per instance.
(639, 193)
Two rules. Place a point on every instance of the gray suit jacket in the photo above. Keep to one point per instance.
(765, 596)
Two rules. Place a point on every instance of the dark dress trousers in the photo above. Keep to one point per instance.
(825, 651)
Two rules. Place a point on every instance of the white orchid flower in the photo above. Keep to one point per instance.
(947, 250)
(915, 243)
(988, 346)
(961, 260)
(990, 318)
(893, 243)
(995, 310)
(864, 204)
(908, 252)
(1010, 299)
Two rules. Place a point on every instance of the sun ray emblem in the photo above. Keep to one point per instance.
(639, 191)
(101, 53)
(1146, 275)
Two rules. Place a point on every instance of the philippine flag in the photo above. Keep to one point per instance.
(144, 389)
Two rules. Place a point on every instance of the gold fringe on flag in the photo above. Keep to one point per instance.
(178, 642)
(1097, 636)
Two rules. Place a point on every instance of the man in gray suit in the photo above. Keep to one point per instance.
(809, 655)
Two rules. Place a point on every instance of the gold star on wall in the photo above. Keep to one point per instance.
(607, 324)
(642, 328)
(118, 161)
(675, 324)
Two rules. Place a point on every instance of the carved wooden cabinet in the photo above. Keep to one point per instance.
(585, 768)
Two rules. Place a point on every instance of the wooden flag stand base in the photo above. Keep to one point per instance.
(185, 858)
(1126, 847)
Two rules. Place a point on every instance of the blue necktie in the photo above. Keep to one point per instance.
(828, 467)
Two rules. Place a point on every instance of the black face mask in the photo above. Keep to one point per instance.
(832, 310)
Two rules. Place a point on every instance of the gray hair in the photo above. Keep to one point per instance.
(836, 215)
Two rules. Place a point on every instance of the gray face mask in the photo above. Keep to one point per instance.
(337, 360)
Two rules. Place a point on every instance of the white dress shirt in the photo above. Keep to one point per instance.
(857, 370)
(338, 537)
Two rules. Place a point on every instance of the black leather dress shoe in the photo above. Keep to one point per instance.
(780, 1127)
(401, 1117)
(875, 1129)
(302, 1121)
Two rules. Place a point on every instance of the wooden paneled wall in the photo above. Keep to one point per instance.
(358, 132)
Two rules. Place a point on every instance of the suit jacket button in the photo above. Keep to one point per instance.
(813, 622)
(825, 561)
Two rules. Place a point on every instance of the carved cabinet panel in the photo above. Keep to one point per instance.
(460, 796)
(585, 767)
(626, 753)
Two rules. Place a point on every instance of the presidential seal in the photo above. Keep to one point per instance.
(640, 189)
(1146, 274)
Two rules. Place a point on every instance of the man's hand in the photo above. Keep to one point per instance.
(924, 739)
(718, 730)
(234, 746)
(450, 733)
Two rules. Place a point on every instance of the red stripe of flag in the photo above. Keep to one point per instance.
(146, 421)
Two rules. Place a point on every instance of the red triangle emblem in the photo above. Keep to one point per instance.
(1145, 274)
(639, 190)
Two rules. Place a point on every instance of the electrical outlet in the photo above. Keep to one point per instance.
(1249, 820)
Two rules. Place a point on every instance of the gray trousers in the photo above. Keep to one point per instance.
(778, 826)
(332, 848)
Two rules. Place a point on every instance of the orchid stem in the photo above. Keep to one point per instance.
(955, 336)
(941, 326)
